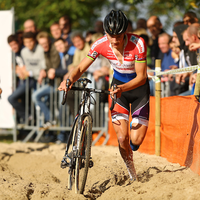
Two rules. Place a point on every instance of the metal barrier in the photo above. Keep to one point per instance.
(35, 118)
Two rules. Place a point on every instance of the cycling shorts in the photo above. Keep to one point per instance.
(139, 100)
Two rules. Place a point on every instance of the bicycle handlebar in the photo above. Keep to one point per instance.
(65, 93)
(84, 81)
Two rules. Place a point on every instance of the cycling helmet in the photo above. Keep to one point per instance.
(115, 22)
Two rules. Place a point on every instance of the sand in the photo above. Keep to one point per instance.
(31, 171)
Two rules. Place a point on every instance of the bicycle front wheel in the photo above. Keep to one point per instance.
(72, 151)
(83, 156)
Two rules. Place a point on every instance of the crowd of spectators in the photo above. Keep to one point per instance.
(43, 56)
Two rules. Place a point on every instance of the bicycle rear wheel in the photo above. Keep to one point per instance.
(83, 156)
(71, 171)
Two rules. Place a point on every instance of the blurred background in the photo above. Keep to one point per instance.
(85, 12)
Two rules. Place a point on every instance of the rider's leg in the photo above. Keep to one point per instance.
(137, 135)
(121, 128)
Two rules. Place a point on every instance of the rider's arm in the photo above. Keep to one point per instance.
(80, 69)
(140, 79)
(76, 72)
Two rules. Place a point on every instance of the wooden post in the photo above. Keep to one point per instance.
(157, 108)
(197, 85)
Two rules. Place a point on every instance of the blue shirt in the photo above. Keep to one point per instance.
(167, 61)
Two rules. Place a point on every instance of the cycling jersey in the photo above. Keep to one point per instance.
(134, 51)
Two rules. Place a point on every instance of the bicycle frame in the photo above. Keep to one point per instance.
(84, 109)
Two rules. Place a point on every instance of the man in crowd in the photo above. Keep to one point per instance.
(29, 26)
(190, 18)
(155, 27)
(180, 82)
(81, 51)
(65, 26)
(141, 23)
(98, 27)
(66, 53)
(55, 31)
(191, 37)
(33, 71)
(167, 61)
(16, 48)
(52, 60)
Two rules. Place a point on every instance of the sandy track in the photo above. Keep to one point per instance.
(32, 171)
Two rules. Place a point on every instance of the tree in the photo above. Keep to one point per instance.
(45, 12)
(85, 12)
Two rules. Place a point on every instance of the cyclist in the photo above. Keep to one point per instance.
(127, 55)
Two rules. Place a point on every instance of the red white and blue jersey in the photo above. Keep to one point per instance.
(134, 51)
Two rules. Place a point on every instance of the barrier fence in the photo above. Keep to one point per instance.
(62, 114)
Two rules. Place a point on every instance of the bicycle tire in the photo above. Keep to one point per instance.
(83, 157)
(71, 171)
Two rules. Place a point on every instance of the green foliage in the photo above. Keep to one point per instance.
(45, 12)
(85, 12)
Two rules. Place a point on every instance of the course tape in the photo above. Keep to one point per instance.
(173, 71)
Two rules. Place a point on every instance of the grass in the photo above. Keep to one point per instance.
(6, 138)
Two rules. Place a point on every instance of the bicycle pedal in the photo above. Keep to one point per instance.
(91, 164)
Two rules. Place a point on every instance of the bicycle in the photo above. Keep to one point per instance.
(78, 159)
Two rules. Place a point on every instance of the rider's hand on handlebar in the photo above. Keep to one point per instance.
(117, 91)
(63, 87)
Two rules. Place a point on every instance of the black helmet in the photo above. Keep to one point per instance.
(115, 22)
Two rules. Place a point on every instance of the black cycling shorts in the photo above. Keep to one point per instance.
(139, 100)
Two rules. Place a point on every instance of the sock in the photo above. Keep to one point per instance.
(133, 146)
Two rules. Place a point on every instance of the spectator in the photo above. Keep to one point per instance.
(29, 26)
(179, 42)
(155, 27)
(52, 57)
(98, 27)
(55, 31)
(19, 34)
(194, 46)
(65, 26)
(66, 56)
(88, 35)
(34, 70)
(177, 23)
(167, 60)
(130, 27)
(16, 48)
(178, 85)
(52, 60)
(168, 63)
(81, 51)
(141, 23)
(175, 51)
(190, 18)
(191, 37)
